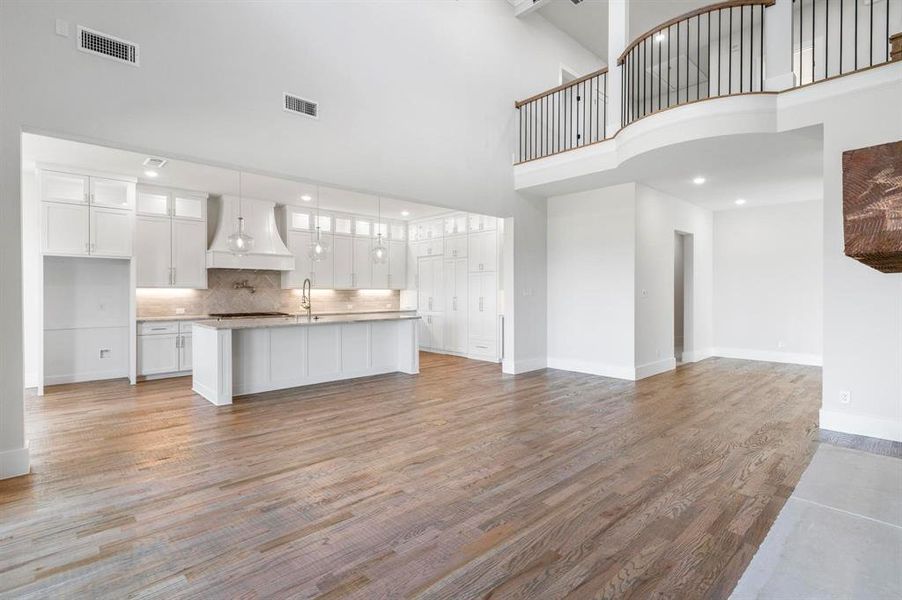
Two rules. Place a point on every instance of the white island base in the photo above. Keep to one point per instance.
(233, 358)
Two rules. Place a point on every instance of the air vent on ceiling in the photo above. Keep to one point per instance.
(294, 104)
(155, 163)
(107, 46)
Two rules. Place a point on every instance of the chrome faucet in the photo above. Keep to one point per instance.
(305, 297)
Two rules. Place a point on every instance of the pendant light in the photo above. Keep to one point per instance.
(319, 247)
(379, 251)
(240, 242)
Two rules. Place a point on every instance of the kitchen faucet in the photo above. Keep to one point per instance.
(305, 297)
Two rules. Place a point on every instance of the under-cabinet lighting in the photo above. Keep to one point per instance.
(306, 198)
(149, 173)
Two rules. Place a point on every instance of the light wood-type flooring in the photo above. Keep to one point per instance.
(457, 483)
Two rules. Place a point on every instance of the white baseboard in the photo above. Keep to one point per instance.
(690, 356)
(524, 365)
(794, 358)
(83, 377)
(31, 380)
(875, 427)
(654, 368)
(592, 368)
(15, 462)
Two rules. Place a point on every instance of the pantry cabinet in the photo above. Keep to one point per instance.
(482, 251)
(455, 291)
(483, 315)
(170, 238)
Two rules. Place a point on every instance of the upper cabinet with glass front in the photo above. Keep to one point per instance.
(154, 201)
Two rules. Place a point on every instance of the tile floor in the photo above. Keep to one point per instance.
(838, 536)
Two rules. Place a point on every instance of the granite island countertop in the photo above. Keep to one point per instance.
(292, 315)
(303, 320)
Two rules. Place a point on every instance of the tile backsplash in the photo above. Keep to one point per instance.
(221, 296)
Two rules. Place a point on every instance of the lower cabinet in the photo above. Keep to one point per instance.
(483, 316)
(431, 332)
(164, 348)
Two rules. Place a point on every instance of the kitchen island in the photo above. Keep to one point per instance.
(233, 357)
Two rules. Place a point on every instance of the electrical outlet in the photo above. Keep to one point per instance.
(845, 397)
(781, 344)
(62, 28)
(105, 353)
(180, 311)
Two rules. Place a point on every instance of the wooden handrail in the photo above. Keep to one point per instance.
(689, 15)
(563, 86)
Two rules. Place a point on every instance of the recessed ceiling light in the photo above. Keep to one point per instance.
(740, 202)
(149, 173)
(405, 213)
(699, 180)
(660, 37)
(155, 163)
(306, 198)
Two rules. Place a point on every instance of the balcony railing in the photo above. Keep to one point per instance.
(569, 116)
(834, 37)
(713, 51)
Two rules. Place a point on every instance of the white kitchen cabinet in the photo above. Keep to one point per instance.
(431, 332)
(482, 223)
(170, 251)
(164, 348)
(70, 188)
(397, 263)
(482, 251)
(185, 356)
(343, 262)
(111, 232)
(188, 205)
(189, 253)
(153, 257)
(483, 315)
(455, 247)
(65, 229)
(431, 285)
(158, 354)
(433, 247)
(112, 193)
(152, 202)
(363, 264)
(324, 270)
(455, 292)
(455, 224)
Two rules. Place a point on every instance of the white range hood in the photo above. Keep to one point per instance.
(269, 251)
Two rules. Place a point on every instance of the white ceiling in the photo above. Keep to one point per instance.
(760, 169)
(213, 180)
(587, 22)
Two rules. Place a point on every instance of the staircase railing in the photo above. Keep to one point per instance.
(569, 116)
(714, 51)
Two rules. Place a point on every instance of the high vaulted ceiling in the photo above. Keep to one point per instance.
(587, 22)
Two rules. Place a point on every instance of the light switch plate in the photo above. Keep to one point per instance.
(62, 28)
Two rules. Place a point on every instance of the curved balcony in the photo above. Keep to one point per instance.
(732, 48)
(710, 52)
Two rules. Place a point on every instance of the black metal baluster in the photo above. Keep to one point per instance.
(741, 45)
(761, 49)
(730, 50)
(871, 50)
(678, 63)
(604, 96)
(719, 50)
(856, 35)
(813, 25)
(887, 30)
(841, 11)
(698, 56)
(827, 39)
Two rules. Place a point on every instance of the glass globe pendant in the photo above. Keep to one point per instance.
(239, 242)
(319, 248)
(379, 252)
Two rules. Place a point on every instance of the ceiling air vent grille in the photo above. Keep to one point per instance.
(300, 106)
(107, 46)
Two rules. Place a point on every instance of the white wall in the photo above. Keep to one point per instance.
(86, 309)
(659, 216)
(591, 281)
(416, 103)
(862, 307)
(31, 263)
(768, 282)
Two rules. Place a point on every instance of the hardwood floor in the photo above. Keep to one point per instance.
(457, 483)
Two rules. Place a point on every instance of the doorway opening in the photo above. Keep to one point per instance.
(682, 295)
